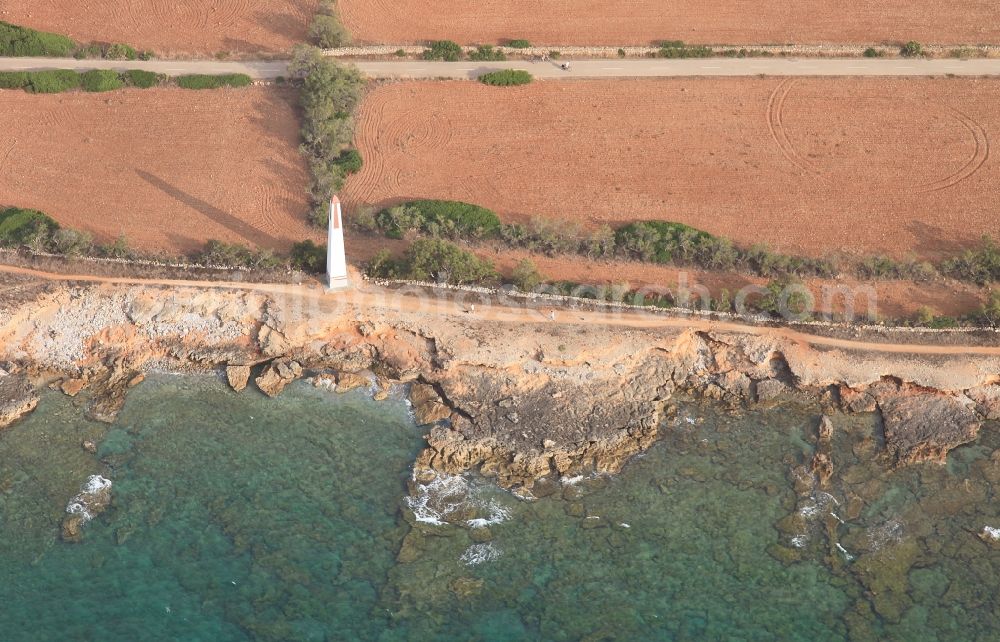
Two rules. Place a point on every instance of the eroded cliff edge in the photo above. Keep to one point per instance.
(518, 397)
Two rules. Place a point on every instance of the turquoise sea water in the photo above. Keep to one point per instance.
(236, 517)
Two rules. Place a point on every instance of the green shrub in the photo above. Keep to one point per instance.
(989, 313)
(443, 262)
(327, 32)
(382, 266)
(981, 265)
(506, 78)
(119, 249)
(443, 50)
(308, 256)
(526, 276)
(14, 79)
(518, 43)
(143, 79)
(25, 227)
(93, 50)
(621, 52)
(912, 49)
(237, 255)
(660, 241)
(53, 81)
(677, 49)
(101, 80)
(350, 161)
(400, 53)
(555, 55)
(872, 52)
(451, 219)
(20, 41)
(487, 52)
(71, 242)
(206, 81)
(119, 51)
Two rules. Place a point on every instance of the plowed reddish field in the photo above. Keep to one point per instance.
(806, 165)
(638, 22)
(174, 27)
(169, 168)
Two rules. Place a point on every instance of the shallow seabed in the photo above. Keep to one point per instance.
(238, 517)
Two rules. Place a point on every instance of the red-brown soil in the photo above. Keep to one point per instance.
(169, 168)
(176, 27)
(639, 22)
(810, 166)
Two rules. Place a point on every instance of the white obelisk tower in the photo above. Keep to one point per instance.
(336, 262)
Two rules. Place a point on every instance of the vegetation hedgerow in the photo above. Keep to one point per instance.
(24, 227)
(21, 41)
(436, 260)
(120, 51)
(101, 80)
(205, 81)
(53, 81)
(506, 78)
(14, 79)
(142, 79)
(487, 53)
(326, 30)
(448, 219)
(328, 95)
(518, 43)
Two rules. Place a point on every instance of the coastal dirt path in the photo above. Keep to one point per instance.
(461, 303)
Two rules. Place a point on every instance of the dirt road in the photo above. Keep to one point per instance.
(644, 68)
(368, 295)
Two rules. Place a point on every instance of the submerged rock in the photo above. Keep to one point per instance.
(17, 398)
(925, 427)
(93, 499)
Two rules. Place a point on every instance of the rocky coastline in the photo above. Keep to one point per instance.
(519, 402)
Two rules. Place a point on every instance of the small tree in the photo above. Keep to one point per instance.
(912, 49)
(308, 256)
(990, 311)
(526, 276)
(71, 242)
(326, 30)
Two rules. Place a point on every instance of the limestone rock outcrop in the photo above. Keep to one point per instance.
(17, 398)
(925, 427)
(278, 374)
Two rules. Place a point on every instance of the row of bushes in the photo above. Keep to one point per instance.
(659, 242)
(54, 81)
(17, 41)
(647, 241)
(434, 260)
(328, 94)
(40, 233)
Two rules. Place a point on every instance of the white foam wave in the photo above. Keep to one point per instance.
(80, 504)
(445, 494)
(497, 514)
(480, 553)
